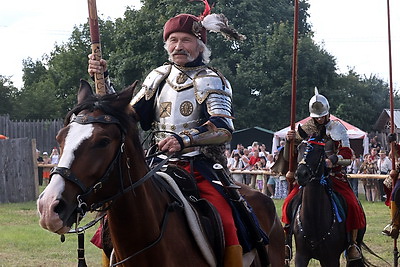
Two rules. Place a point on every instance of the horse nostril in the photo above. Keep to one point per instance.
(60, 207)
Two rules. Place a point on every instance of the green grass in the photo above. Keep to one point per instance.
(378, 216)
(24, 243)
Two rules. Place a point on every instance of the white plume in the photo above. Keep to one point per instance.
(219, 23)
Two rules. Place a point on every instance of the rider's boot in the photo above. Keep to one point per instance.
(392, 229)
(233, 256)
(353, 252)
(105, 261)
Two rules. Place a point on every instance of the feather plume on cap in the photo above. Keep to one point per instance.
(218, 23)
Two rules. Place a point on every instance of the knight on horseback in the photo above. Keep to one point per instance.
(188, 105)
(338, 155)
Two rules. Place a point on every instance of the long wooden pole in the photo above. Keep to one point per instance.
(96, 46)
(290, 173)
(393, 172)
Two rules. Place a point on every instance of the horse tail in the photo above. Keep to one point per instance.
(364, 247)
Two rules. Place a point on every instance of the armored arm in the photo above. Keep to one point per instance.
(215, 92)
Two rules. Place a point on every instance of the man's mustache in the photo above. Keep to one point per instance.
(180, 52)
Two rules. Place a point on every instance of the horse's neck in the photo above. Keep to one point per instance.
(140, 218)
(134, 219)
(316, 204)
(138, 212)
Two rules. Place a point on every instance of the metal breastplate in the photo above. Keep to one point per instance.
(176, 107)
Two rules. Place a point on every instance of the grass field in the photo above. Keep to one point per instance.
(24, 243)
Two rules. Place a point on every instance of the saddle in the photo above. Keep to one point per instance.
(207, 215)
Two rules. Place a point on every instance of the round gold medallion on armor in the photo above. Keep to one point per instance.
(186, 108)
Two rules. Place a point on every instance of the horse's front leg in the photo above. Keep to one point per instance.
(301, 260)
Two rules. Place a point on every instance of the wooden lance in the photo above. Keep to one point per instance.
(96, 46)
(290, 173)
(393, 172)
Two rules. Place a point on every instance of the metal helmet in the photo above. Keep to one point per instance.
(318, 105)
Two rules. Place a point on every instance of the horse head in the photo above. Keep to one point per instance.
(92, 144)
(311, 160)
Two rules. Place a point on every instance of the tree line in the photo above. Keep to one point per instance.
(258, 68)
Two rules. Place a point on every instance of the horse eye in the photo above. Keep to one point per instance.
(103, 142)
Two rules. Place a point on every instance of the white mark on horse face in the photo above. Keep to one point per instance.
(51, 196)
(77, 133)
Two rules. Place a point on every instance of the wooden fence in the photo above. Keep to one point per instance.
(18, 170)
(44, 131)
(351, 176)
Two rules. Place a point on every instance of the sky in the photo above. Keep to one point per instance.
(353, 31)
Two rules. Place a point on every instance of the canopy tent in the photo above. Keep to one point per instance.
(352, 131)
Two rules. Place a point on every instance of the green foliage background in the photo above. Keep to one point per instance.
(259, 68)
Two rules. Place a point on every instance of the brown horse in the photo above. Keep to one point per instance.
(103, 164)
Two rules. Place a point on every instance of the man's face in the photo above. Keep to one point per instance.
(183, 47)
(321, 120)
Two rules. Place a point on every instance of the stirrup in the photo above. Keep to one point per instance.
(288, 253)
(391, 230)
(354, 258)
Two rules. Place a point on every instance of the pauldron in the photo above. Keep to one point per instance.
(151, 83)
(338, 132)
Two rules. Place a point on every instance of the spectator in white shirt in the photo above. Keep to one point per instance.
(384, 167)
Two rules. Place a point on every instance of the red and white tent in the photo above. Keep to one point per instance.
(352, 131)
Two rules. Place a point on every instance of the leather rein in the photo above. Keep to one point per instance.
(322, 180)
(82, 207)
(313, 172)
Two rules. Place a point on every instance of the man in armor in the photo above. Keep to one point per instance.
(188, 105)
(338, 154)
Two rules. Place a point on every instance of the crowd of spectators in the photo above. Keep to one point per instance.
(256, 158)
(374, 162)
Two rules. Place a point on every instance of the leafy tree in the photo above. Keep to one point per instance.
(360, 100)
(50, 85)
(259, 68)
(7, 95)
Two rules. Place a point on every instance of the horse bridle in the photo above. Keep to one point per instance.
(323, 181)
(81, 209)
(320, 161)
(68, 175)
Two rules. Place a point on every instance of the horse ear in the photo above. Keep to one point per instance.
(302, 133)
(85, 90)
(125, 96)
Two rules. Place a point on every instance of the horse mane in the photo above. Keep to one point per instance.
(106, 104)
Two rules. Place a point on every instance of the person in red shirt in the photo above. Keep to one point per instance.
(253, 163)
(254, 159)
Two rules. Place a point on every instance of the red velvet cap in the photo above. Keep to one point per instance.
(184, 23)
